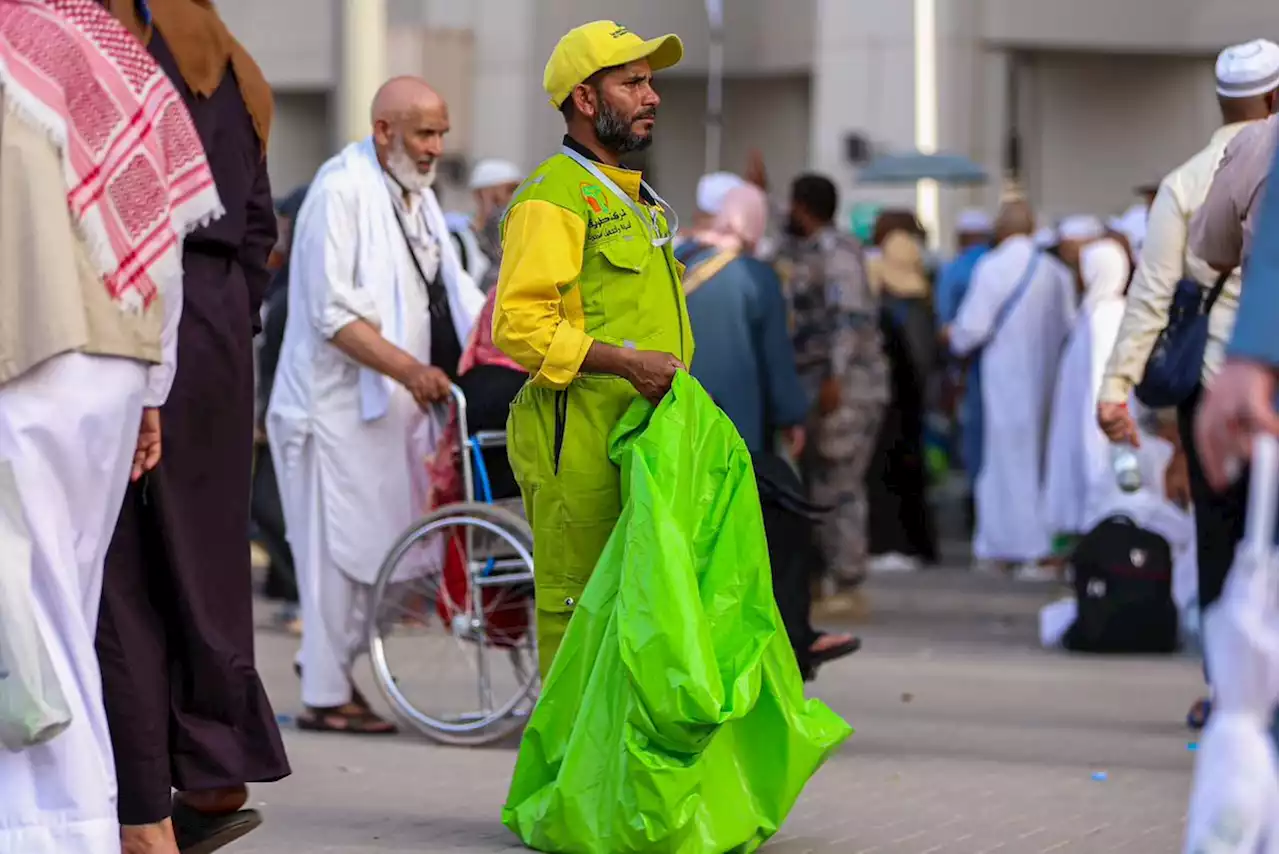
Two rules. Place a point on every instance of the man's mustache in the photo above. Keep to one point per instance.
(651, 113)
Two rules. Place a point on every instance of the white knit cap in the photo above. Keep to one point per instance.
(494, 173)
(1045, 238)
(713, 188)
(1132, 224)
(974, 221)
(1081, 227)
(1249, 69)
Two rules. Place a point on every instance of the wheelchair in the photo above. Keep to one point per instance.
(451, 620)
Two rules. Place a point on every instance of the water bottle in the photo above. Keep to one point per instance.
(1127, 468)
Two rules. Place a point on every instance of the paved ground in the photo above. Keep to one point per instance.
(968, 740)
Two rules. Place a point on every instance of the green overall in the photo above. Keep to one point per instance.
(557, 440)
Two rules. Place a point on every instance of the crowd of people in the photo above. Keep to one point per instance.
(141, 251)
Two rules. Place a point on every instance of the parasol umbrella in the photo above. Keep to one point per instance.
(911, 166)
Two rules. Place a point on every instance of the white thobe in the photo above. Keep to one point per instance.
(1018, 366)
(68, 429)
(1079, 452)
(349, 447)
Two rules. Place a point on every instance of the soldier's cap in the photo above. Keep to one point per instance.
(593, 47)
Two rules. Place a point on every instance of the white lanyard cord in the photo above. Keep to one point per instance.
(650, 221)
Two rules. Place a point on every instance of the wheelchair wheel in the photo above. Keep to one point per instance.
(451, 625)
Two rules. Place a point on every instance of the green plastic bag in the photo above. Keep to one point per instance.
(673, 719)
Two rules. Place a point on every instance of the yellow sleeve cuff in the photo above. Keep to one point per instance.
(564, 357)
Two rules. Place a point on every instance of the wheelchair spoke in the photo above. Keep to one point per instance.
(452, 615)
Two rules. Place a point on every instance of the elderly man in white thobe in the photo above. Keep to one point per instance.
(379, 307)
(1079, 452)
(1014, 319)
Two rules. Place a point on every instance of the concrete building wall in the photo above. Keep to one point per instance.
(300, 139)
(1100, 124)
(972, 112)
(1127, 26)
(446, 57)
(507, 87)
(863, 83)
(761, 36)
(1111, 92)
(294, 41)
(676, 158)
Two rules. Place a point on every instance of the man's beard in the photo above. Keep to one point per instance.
(614, 130)
(405, 171)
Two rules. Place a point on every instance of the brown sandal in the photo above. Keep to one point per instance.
(357, 698)
(349, 718)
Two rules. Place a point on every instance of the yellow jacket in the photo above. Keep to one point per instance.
(578, 266)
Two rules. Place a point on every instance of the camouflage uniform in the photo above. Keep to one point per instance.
(835, 330)
(489, 239)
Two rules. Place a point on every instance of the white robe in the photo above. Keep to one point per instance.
(68, 430)
(1079, 452)
(350, 446)
(1019, 363)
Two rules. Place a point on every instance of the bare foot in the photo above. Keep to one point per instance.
(148, 838)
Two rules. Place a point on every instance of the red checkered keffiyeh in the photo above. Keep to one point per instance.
(136, 174)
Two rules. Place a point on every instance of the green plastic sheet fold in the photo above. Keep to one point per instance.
(673, 719)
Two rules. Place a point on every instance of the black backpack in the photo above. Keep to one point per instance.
(1124, 591)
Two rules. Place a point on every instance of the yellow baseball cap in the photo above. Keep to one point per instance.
(587, 49)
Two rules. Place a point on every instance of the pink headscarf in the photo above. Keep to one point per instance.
(480, 348)
(442, 463)
(741, 222)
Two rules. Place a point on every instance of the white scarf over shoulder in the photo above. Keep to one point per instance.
(377, 270)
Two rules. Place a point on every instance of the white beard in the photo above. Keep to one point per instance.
(405, 171)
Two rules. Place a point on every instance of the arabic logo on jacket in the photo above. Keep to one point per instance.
(595, 198)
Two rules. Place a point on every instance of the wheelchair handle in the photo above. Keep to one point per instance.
(441, 410)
